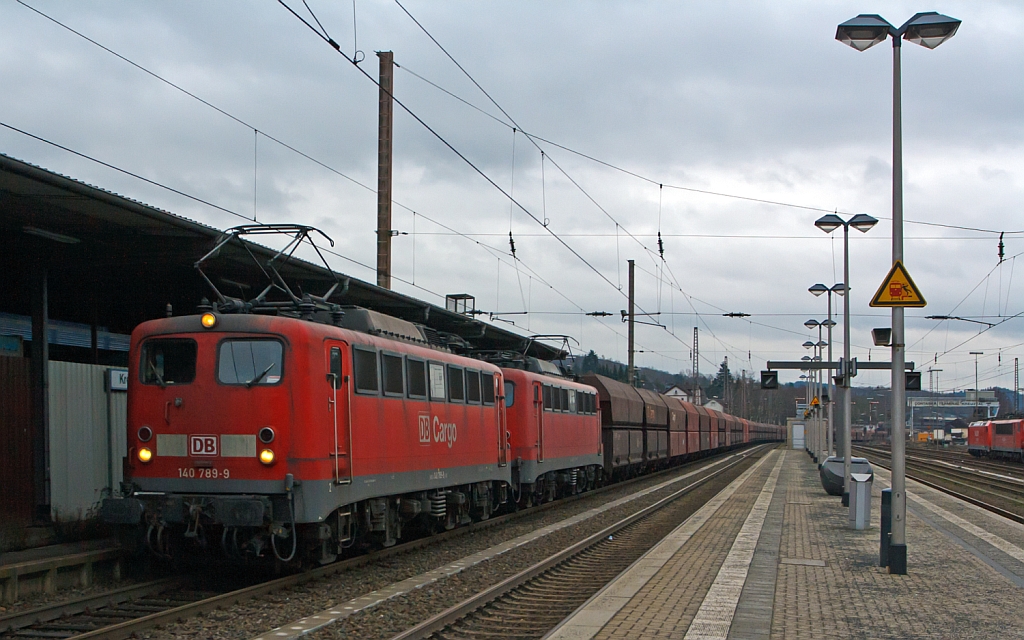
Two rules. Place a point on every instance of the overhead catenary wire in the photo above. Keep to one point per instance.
(453, 149)
(258, 132)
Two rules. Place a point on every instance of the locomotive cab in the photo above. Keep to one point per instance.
(209, 429)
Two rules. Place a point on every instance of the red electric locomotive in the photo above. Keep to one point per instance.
(555, 441)
(979, 438)
(997, 439)
(300, 436)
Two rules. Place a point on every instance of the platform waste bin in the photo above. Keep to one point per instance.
(860, 500)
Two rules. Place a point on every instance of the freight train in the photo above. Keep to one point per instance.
(292, 430)
(997, 439)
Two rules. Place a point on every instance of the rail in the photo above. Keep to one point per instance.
(562, 561)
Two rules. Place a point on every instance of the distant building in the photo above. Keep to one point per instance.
(676, 392)
(714, 405)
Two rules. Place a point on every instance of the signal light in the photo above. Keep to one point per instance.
(209, 320)
(267, 456)
(145, 455)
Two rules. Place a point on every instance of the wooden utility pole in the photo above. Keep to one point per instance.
(631, 370)
(384, 121)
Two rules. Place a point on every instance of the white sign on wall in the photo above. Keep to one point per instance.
(117, 379)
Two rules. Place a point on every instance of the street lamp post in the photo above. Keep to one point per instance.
(820, 437)
(829, 223)
(817, 290)
(929, 29)
(977, 396)
(811, 393)
(809, 434)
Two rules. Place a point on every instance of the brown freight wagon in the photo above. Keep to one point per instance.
(622, 424)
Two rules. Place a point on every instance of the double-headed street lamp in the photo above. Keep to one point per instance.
(817, 290)
(829, 223)
(929, 30)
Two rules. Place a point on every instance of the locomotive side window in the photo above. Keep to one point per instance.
(473, 387)
(335, 365)
(572, 401)
(392, 375)
(416, 372)
(168, 361)
(249, 362)
(510, 393)
(436, 370)
(547, 397)
(1004, 429)
(456, 385)
(487, 386)
(563, 404)
(364, 365)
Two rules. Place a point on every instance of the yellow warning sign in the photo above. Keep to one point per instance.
(815, 403)
(898, 290)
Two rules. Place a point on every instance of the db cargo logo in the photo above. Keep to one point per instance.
(202, 445)
(424, 428)
(445, 432)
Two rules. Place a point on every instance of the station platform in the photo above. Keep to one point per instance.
(772, 556)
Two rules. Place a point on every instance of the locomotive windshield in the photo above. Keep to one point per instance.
(167, 361)
(249, 362)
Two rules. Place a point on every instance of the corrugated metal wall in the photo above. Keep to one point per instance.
(16, 498)
(81, 464)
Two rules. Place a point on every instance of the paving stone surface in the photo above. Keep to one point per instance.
(667, 604)
(813, 577)
(948, 592)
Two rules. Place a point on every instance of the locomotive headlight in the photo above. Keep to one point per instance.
(209, 320)
(145, 455)
(267, 456)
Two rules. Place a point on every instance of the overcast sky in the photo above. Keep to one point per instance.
(749, 99)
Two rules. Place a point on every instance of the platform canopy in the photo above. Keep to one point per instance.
(115, 262)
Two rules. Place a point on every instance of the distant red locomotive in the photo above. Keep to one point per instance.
(997, 439)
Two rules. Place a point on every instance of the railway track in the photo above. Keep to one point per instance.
(1008, 467)
(534, 601)
(124, 613)
(992, 491)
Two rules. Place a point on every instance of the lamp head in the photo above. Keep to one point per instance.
(818, 289)
(929, 29)
(864, 31)
(862, 222)
(839, 289)
(807, 345)
(821, 343)
(828, 324)
(810, 324)
(829, 222)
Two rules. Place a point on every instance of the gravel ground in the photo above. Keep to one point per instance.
(252, 618)
(33, 600)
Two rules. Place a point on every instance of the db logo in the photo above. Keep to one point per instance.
(424, 420)
(203, 445)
